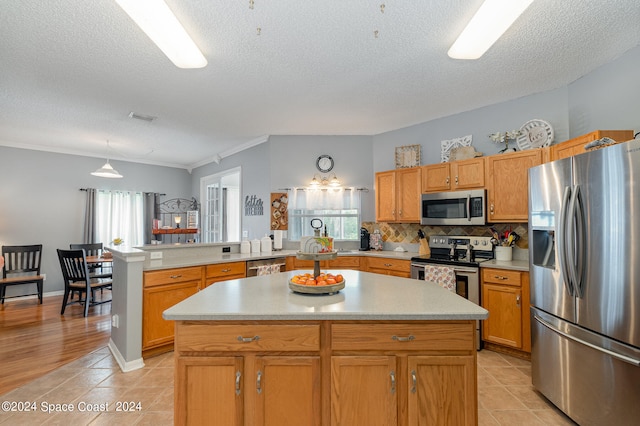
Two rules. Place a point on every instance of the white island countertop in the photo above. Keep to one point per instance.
(366, 296)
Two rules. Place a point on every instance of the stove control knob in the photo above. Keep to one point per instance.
(484, 243)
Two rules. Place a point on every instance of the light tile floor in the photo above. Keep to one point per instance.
(505, 394)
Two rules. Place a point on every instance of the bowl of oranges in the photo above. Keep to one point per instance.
(325, 283)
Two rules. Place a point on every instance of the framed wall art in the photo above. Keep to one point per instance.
(407, 156)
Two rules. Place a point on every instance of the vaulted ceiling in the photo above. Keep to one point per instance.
(71, 71)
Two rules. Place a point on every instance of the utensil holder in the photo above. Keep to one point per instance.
(504, 253)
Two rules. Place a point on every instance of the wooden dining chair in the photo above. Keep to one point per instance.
(97, 270)
(21, 266)
(75, 273)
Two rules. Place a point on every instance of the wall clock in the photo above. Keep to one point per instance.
(535, 134)
(324, 163)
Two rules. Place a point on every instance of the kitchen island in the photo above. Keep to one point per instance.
(384, 350)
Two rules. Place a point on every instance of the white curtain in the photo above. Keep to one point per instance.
(120, 214)
(324, 199)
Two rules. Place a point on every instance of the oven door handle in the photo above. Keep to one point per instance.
(465, 270)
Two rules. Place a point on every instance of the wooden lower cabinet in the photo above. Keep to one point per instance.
(505, 294)
(255, 390)
(161, 290)
(359, 373)
(388, 266)
(225, 271)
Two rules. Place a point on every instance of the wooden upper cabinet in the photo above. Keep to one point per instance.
(575, 146)
(468, 174)
(507, 181)
(386, 196)
(436, 177)
(465, 174)
(398, 195)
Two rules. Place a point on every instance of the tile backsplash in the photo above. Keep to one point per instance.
(407, 233)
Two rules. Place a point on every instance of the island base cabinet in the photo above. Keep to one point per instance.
(441, 390)
(250, 390)
(202, 380)
(364, 391)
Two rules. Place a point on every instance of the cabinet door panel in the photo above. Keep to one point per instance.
(408, 192)
(508, 185)
(504, 325)
(385, 196)
(436, 177)
(288, 391)
(468, 174)
(442, 390)
(155, 329)
(364, 390)
(209, 391)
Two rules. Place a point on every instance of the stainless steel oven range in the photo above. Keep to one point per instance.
(464, 254)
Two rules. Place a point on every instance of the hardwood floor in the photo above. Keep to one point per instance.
(35, 339)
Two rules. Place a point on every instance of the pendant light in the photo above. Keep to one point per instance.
(107, 171)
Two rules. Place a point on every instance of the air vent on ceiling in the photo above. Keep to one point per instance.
(143, 117)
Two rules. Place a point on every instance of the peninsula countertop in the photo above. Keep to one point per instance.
(366, 296)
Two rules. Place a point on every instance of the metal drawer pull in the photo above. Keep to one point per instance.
(518, 300)
(393, 381)
(248, 339)
(226, 270)
(388, 264)
(403, 339)
(238, 375)
(500, 277)
(414, 381)
(175, 276)
(258, 382)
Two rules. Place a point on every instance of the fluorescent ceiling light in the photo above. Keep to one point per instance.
(488, 24)
(157, 21)
(107, 171)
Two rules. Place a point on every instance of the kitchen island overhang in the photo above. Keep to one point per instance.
(251, 351)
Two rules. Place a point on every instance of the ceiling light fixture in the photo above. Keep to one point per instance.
(488, 24)
(107, 171)
(157, 21)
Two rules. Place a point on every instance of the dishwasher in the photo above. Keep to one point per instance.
(268, 266)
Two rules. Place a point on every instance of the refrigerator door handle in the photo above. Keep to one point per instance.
(616, 355)
(562, 245)
(581, 247)
(571, 241)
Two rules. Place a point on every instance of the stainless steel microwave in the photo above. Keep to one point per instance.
(454, 208)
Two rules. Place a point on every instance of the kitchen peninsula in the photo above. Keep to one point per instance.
(384, 350)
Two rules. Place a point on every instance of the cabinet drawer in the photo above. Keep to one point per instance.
(215, 338)
(501, 276)
(404, 337)
(171, 276)
(225, 269)
(392, 264)
(352, 262)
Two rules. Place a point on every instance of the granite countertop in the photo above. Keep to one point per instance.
(366, 296)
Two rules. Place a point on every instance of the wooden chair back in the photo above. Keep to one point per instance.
(22, 259)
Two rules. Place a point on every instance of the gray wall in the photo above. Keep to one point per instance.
(40, 200)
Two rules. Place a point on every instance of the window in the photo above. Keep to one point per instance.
(120, 214)
(220, 195)
(339, 210)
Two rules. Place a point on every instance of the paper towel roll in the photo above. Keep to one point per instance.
(277, 239)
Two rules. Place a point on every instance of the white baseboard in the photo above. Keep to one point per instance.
(17, 297)
(124, 365)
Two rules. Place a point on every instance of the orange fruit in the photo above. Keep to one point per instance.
(310, 282)
(323, 282)
(339, 278)
(331, 281)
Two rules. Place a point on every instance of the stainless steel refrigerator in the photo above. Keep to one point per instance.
(584, 254)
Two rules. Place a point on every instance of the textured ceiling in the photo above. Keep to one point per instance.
(72, 70)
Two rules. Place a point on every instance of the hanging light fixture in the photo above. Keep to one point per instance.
(107, 171)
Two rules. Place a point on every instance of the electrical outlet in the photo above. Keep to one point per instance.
(44, 277)
(115, 321)
(156, 255)
(226, 249)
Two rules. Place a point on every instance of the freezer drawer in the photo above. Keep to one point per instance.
(592, 385)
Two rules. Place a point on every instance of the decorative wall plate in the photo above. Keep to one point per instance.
(535, 134)
(448, 145)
